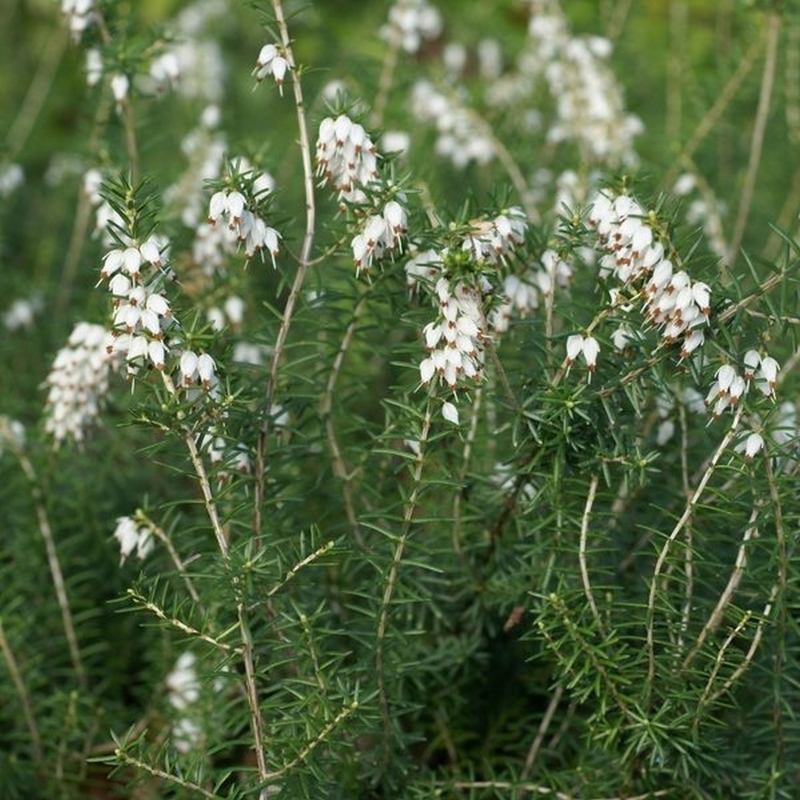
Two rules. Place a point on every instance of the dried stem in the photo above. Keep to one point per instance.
(730, 590)
(587, 586)
(468, 443)
(55, 568)
(339, 466)
(542, 732)
(24, 698)
(679, 526)
(391, 580)
(37, 94)
(757, 141)
(302, 267)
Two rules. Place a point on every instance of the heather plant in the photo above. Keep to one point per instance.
(399, 404)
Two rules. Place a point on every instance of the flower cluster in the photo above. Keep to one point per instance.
(133, 536)
(77, 383)
(730, 386)
(454, 341)
(461, 138)
(493, 240)
(142, 313)
(347, 159)
(250, 229)
(587, 346)
(411, 22)
(79, 15)
(673, 302)
(271, 62)
(380, 233)
(521, 294)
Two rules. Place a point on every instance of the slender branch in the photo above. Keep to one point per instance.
(730, 590)
(55, 567)
(316, 742)
(587, 586)
(757, 141)
(320, 551)
(385, 80)
(339, 466)
(712, 117)
(466, 455)
(391, 579)
(679, 525)
(37, 94)
(179, 624)
(256, 720)
(302, 266)
(24, 698)
(161, 534)
(539, 789)
(123, 758)
(549, 713)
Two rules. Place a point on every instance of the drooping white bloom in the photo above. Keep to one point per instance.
(380, 234)
(271, 61)
(133, 536)
(450, 413)
(77, 383)
(346, 157)
(461, 139)
(411, 22)
(79, 14)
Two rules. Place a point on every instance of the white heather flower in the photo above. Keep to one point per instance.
(206, 370)
(752, 361)
(77, 383)
(450, 413)
(346, 157)
(751, 446)
(120, 84)
(270, 61)
(133, 536)
(395, 142)
(455, 339)
(767, 376)
(590, 351)
(12, 432)
(381, 233)
(182, 682)
(461, 139)
(411, 22)
(79, 14)
(188, 367)
(12, 177)
(21, 313)
(574, 347)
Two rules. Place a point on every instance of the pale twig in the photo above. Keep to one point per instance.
(587, 586)
(679, 525)
(465, 458)
(757, 140)
(320, 551)
(24, 698)
(179, 624)
(176, 780)
(315, 743)
(714, 114)
(302, 265)
(326, 406)
(161, 534)
(55, 567)
(394, 569)
(546, 790)
(730, 590)
(385, 80)
(549, 713)
(688, 567)
(708, 697)
(37, 94)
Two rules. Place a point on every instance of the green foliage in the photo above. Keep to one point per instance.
(350, 568)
